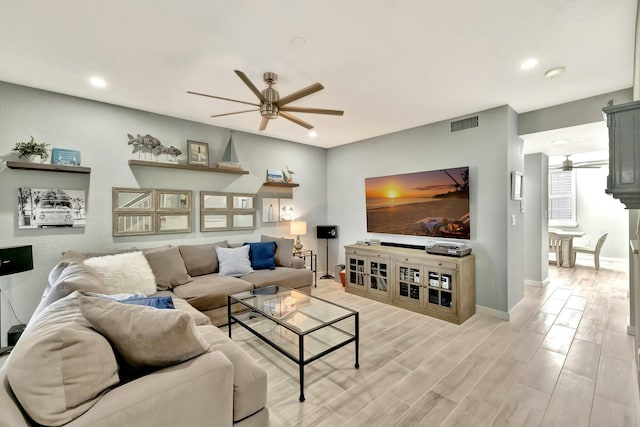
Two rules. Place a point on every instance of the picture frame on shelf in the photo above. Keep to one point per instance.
(198, 153)
(64, 157)
(275, 175)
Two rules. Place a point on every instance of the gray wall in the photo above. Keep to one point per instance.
(515, 230)
(574, 113)
(99, 131)
(536, 204)
(486, 150)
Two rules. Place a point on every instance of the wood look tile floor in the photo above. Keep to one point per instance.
(564, 359)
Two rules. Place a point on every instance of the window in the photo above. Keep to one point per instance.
(562, 198)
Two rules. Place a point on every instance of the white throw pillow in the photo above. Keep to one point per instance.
(124, 273)
(234, 261)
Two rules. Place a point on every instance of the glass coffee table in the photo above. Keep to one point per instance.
(302, 327)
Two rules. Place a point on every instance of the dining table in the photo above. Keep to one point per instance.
(566, 244)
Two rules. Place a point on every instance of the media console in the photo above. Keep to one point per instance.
(436, 285)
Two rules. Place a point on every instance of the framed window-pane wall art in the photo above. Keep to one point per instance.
(138, 211)
(227, 211)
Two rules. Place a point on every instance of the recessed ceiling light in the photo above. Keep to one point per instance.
(312, 133)
(554, 72)
(559, 142)
(529, 64)
(98, 82)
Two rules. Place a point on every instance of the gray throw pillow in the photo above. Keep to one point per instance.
(284, 250)
(201, 259)
(145, 336)
(168, 267)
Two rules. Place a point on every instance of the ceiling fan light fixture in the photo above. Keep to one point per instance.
(268, 110)
(313, 133)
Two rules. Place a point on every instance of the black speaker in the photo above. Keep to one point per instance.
(327, 231)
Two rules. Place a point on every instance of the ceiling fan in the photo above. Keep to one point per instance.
(567, 164)
(271, 106)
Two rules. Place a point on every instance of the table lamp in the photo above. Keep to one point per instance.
(298, 228)
(13, 260)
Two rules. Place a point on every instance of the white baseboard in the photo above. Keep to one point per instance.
(589, 257)
(537, 284)
(492, 312)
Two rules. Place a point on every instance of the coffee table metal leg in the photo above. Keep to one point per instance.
(301, 365)
(357, 338)
(229, 314)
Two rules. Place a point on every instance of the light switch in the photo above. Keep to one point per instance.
(513, 219)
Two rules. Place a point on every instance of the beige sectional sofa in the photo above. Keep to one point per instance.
(134, 365)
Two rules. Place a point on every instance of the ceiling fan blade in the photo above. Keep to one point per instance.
(312, 110)
(235, 112)
(295, 120)
(263, 123)
(253, 88)
(224, 99)
(299, 94)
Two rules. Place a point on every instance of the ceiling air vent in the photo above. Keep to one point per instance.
(464, 124)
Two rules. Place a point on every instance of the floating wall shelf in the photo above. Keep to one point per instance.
(281, 184)
(187, 167)
(46, 167)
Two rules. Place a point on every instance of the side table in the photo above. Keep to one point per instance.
(308, 253)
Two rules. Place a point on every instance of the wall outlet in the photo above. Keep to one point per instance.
(513, 219)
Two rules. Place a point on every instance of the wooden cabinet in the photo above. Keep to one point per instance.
(439, 286)
(368, 274)
(623, 181)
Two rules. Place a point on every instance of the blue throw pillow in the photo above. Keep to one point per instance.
(157, 302)
(262, 255)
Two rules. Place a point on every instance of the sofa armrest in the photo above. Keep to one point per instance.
(198, 392)
(297, 262)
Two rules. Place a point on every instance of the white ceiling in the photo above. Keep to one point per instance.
(584, 143)
(390, 65)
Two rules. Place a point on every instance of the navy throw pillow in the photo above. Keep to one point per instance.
(157, 302)
(262, 255)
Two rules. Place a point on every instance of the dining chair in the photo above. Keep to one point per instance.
(555, 245)
(588, 250)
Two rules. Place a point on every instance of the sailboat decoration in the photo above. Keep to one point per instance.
(230, 157)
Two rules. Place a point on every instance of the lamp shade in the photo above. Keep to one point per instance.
(299, 228)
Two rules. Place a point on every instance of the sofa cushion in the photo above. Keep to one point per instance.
(67, 277)
(284, 249)
(249, 379)
(201, 259)
(124, 273)
(288, 277)
(60, 366)
(262, 255)
(234, 261)
(168, 267)
(210, 291)
(145, 336)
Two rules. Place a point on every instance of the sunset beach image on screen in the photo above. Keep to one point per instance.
(431, 203)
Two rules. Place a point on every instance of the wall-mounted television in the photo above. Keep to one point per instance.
(431, 203)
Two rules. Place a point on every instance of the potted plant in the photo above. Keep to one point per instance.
(31, 149)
